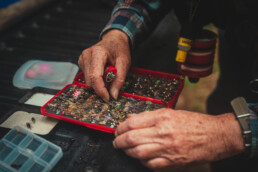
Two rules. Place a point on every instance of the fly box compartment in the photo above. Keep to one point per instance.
(159, 87)
(23, 151)
(80, 105)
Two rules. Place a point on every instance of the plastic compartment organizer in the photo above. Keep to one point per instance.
(23, 151)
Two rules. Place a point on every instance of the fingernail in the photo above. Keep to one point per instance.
(114, 145)
(115, 133)
(106, 99)
(115, 93)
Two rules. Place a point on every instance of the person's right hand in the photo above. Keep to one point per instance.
(114, 49)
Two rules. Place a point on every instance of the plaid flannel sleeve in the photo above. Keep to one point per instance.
(135, 18)
(254, 129)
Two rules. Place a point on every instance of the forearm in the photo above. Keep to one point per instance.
(231, 132)
(137, 18)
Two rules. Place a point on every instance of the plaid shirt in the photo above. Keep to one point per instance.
(138, 18)
(254, 129)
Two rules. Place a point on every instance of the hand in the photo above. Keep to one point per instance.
(113, 48)
(166, 138)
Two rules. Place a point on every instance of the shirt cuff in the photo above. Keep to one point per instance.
(126, 22)
(254, 129)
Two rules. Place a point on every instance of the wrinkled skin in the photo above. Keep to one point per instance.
(113, 49)
(166, 139)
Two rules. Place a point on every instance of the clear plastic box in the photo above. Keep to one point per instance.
(23, 151)
(47, 74)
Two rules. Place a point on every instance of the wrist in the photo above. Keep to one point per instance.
(115, 34)
(231, 134)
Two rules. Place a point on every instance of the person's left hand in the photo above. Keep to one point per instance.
(166, 138)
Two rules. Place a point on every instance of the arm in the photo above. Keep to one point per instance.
(130, 21)
(169, 138)
(137, 19)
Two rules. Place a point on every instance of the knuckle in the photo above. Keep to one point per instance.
(84, 55)
(97, 48)
(131, 124)
(84, 52)
(163, 132)
(99, 53)
(163, 116)
(130, 139)
(139, 153)
(176, 144)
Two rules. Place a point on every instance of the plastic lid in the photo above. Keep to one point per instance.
(47, 74)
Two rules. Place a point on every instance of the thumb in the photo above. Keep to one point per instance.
(122, 67)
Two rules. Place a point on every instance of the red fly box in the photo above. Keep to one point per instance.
(158, 87)
(80, 105)
(143, 90)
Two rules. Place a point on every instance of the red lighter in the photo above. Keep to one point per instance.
(109, 74)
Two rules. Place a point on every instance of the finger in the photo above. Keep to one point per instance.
(157, 163)
(98, 85)
(94, 75)
(142, 120)
(122, 67)
(145, 151)
(86, 64)
(136, 137)
(80, 62)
